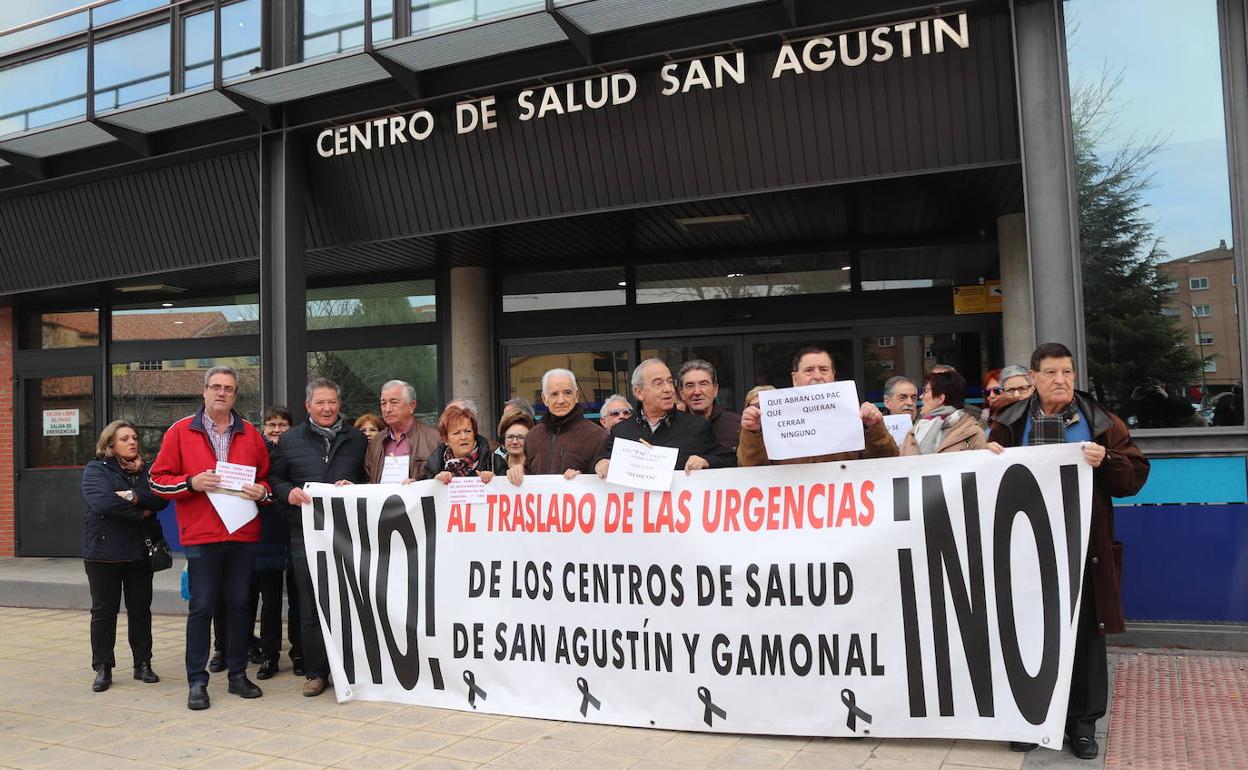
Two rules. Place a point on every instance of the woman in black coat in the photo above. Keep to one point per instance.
(120, 519)
(463, 451)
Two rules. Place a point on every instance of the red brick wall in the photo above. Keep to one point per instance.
(8, 533)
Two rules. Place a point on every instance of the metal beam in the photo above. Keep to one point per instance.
(792, 11)
(581, 40)
(32, 166)
(409, 79)
(135, 140)
(264, 114)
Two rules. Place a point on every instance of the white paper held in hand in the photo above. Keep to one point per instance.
(394, 470)
(466, 490)
(898, 426)
(634, 464)
(235, 476)
(811, 420)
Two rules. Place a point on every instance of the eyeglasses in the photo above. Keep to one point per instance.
(218, 388)
(995, 391)
(514, 437)
(1019, 390)
(620, 413)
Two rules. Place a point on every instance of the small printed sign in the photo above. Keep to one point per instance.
(235, 476)
(811, 420)
(898, 426)
(634, 464)
(60, 422)
(466, 490)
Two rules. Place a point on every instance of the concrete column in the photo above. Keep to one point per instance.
(1017, 319)
(472, 347)
(1048, 174)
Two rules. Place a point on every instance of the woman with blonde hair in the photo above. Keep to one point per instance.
(120, 522)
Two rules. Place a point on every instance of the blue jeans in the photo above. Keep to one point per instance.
(219, 569)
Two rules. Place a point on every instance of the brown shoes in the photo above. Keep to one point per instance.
(313, 687)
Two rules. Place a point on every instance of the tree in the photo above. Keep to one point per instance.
(1130, 342)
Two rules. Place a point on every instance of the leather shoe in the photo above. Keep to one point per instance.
(296, 666)
(244, 688)
(313, 687)
(1022, 747)
(254, 655)
(197, 700)
(217, 664)
(103, 678)
(144, 673)
(1084, 747)
(267, 669)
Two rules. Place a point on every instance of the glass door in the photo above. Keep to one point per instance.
(57, 437)
(770, 356)
(724, 353)
(601, 368)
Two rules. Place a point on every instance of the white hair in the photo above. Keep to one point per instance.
(637, 378)
(615, 397)
(559, 373)
(408, 391)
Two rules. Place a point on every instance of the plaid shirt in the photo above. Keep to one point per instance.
(220, 440)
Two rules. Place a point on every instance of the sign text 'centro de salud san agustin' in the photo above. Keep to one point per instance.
(907, 39)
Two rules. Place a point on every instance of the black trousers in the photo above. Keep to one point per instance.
(266, 591)
(1089, 676)
(108, 582)
(315, 660)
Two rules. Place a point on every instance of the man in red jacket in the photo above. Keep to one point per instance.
(218, 560)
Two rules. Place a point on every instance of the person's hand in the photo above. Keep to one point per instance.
(570, 474)
(515, 474)
(298, 497)
(751, 419)
(444, 477)
(994, 447)
(125, 494)
(205, 481)
(254, 491)
(870, 414)
(486, 476)
(1094, 453)
(602, 467)
(343, 483)
(695, 463)
(405, 482)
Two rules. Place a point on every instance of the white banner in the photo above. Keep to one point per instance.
(922, 596)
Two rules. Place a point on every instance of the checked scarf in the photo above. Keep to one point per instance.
(460, 466)
(1051, 428)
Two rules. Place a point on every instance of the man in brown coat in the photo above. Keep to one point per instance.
(1057, 413)
(406, 443)
(813, 366)
(564, 441)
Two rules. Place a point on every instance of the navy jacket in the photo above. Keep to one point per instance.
(114, 529)
(302, 457)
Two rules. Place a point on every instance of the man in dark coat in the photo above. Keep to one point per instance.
(658, 422)
(564, 441)
(323, 449)
(1057, 413)
(699, 389)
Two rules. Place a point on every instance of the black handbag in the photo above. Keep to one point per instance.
(158, 554)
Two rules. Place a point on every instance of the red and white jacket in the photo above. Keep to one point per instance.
(187, 450)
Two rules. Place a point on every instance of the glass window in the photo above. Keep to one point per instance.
(334, 26)
(590, 287)
(599, 373)
(132, 68)
(374, 304)
(42, 92)
(120, 9)
(240, 43)
(928, 266)
(773, 360)
(1154, 207)
(433, 14)
(1204, 339)
(187, 319)
(742, 278)
(155, 394)
(60, 416)
(361, 373)
(723, 357)
(14, 14)
(913, 356)
(59, 330)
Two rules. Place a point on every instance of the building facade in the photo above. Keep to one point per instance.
(464, 195)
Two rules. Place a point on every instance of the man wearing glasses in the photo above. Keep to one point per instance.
(219, 561)
(699, 389)
(564, 441)
(615, 409)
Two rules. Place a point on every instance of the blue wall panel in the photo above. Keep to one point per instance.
(1184, 562)
(1178, 480)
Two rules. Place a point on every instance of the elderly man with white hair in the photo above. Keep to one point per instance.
(564, 441)
(404, 447)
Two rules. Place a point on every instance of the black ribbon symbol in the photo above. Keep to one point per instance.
(847, 697)
(705, 696)
(470, 679)
(587, 700)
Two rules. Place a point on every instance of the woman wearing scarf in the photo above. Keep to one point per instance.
(943, 425)
(120, 521)
(463, 452)
(513, 431)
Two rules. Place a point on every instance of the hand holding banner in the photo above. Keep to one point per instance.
(811, 420)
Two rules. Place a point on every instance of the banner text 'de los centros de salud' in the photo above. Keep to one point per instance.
(920, 597)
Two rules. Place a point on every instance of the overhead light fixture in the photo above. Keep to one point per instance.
(716, 222)
(845, 267)
(178, 323)
(735, 275)
(166, 304)
(141, 288)
(622, 283)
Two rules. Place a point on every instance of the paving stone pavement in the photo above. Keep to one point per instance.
(49, 718)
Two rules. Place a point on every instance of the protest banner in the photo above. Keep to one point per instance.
(932, 596)
(811, 420)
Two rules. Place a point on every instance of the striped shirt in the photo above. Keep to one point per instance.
(220, 440)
